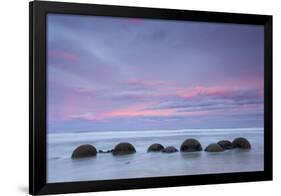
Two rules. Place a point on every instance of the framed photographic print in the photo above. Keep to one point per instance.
(131, 97)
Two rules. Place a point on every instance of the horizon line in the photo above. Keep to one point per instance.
(159, 130)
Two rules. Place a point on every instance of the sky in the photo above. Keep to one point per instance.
(110, 74)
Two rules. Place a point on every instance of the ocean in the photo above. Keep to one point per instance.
(105, 166)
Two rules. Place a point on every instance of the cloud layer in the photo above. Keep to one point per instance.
(126, 74)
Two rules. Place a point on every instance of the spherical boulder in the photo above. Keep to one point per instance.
(191, 145)
(225, 144)
(241, 142)
(170, 149)
(83, 151)
(214, 148)
(123, 149)
(155, 148)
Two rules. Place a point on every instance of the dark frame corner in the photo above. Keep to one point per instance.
(37, 97)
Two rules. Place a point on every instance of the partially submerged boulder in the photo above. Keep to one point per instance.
(155, 148)
(241, 142)
(226, 145)
(123, 149)
(170, 149)
(214, 148)
(106, 151)
(191, 145)
(83, 151)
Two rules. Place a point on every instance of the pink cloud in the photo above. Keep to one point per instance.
(134, 111)
(161, 91)
(206, 91)
(260, 93)
(137, 110)
(166, 89)
(130, 22)
(69, 56)
(146, 82)
(131, 111)
(70, 106)
(136, 21)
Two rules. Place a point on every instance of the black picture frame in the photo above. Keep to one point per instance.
(37, 97)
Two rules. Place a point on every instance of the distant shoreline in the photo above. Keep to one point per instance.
(163, 131)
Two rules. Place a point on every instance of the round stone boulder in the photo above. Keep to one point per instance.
(155, 148)
(190, 145)
(214, 148)
(123, 149)
(225, 144)
(170, 149)
(83, 151)
(241, 142)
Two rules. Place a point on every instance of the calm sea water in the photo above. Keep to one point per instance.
(61, 168)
